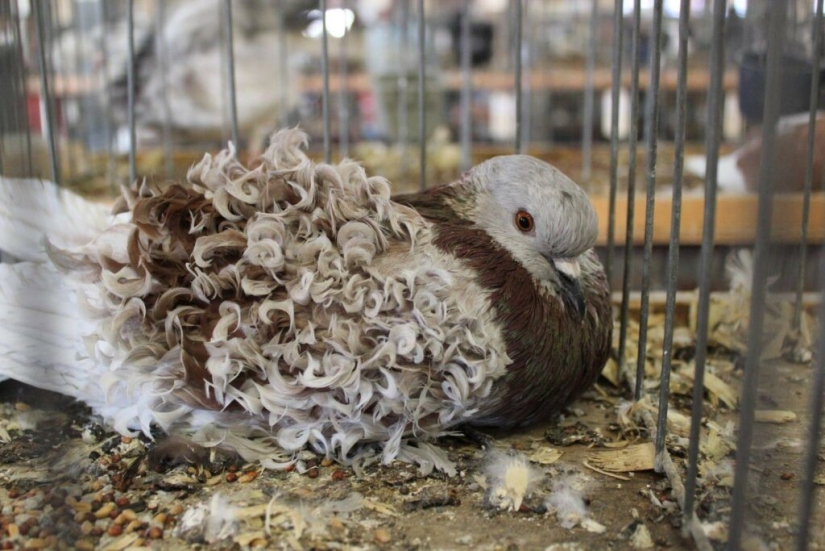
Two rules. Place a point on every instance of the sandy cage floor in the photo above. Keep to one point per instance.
(66, 483)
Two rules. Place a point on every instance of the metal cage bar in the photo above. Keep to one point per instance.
(163, 68)
(466, 88)
(403, 87)
(809, 165)
(130, 93)
(776, 30)
(589, 93)
(325, 76)
(422, 76)
(671, 277)
(650, 193)
(518, 73)
(45, 87)
(615, 93)
(343, 92)
(230, 70)
(631, 180)
(714, 136)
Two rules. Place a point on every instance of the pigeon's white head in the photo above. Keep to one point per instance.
(536, 213)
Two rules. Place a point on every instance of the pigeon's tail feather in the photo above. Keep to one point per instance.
(31, 210)
(42, 325)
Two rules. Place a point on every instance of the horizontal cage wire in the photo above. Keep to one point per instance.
(696, 129)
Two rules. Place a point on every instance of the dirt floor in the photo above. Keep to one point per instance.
(68, 484)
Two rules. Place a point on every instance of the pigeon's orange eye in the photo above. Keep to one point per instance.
(524, 221)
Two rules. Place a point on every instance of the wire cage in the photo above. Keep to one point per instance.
(694, 126)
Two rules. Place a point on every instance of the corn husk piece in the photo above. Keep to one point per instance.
(776, 416)
(639, 457)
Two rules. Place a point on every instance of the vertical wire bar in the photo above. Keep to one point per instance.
(589, 93)
(466, 88)
(422, 120)
(809, 164)
(130, 88)
(776, 31)
(163, 66)
(81, 69)
(18, 41)
(675, 227)
(518, 46)
(283, 58)
(631, 180)
(650, 195)
(54, 18)
(403, 87)
(45, 93)
(103, 44)
(527, 66)
(615, 92)
(4, 70)
(713, 138)
(230, 69)
(343, 91)
(325, 76)
(810, 461)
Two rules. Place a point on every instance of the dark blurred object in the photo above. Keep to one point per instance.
(481, 41)
(796, 84)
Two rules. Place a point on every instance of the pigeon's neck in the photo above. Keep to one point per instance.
(554, 352)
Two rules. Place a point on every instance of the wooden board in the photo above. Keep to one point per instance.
(735, 219)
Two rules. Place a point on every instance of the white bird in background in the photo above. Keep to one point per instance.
(738, 172)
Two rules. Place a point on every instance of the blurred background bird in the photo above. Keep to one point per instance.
(296, 304)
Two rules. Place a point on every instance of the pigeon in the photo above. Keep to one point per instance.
(292, 304)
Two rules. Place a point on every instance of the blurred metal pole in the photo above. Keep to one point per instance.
(325, 75)
(615, 92)
(714, 137)
(652, 123)
(103, 44)
(422, 76)
(403, 87)
(466, 88)
(518, 46)
(283, 58)
(631, 180)
(672, 276)
(21, 68)
(589, 94)
(45, 92)
(130, 89)
(53, 17)
(230, 68)
(163, 66)
(809, 165)
(811, 459)
(343, 91)
(5, 69)
(776, 30)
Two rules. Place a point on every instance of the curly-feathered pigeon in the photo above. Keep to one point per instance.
(297, 304)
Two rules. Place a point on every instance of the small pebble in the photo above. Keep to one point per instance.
(338, 474)
(382, 535)
(155, 533)
(231, 477)
(787, 476)
(176, 509)
(86, 528)
(326, 462)
(115, 530)
(13, 530)
(126, 439)
(85, 545)
(313, 472)
(122, 501)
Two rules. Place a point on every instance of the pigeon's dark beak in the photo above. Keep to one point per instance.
(571, 289)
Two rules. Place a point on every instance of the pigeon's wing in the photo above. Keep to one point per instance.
(295, 299)
(31, 210)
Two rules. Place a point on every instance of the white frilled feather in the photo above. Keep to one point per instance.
(381, 336)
